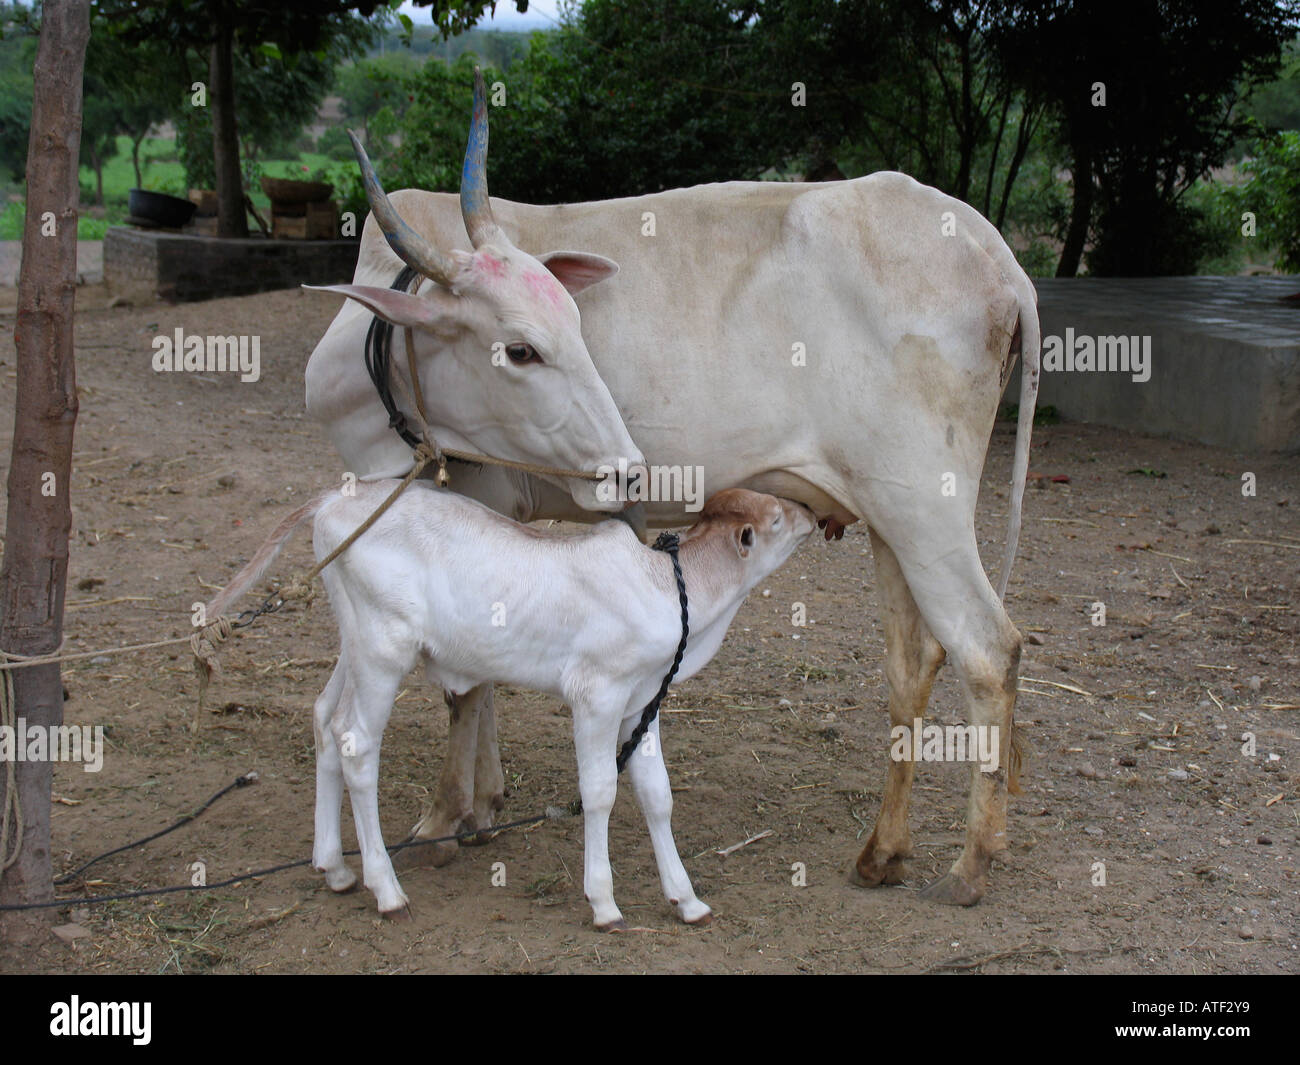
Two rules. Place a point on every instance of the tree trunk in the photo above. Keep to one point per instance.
(135, 156)
(231, 219)
(1080, 215)
(1024, 136)
(34, 573)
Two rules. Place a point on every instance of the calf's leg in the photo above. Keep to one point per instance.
(358, 730)
(327, 850)
(595, 738)
(654, 795)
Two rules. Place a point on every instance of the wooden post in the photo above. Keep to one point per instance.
(34, 574)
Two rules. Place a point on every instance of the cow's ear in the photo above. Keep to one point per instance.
(399, 308)
(744, 540)
(577, 270)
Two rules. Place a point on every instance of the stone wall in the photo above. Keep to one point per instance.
(142, 265)
(1224, 357)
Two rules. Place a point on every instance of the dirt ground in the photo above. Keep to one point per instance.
(1137, 757)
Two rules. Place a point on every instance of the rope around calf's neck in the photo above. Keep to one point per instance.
(668, 542)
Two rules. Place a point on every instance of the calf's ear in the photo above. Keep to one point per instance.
(399, 308)
(744, 540)
(577, 270)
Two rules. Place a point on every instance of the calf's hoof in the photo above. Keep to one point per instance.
(617, 925)
(951, 890)
(341, 881)
(693, 911)
(399, 916)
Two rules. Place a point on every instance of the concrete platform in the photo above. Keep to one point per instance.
(1224, 357)
(145, 265)
(90, 262)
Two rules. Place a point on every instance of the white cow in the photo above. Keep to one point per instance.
(844, 345)
(444, 581)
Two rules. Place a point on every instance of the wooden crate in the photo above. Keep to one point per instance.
(319, 221)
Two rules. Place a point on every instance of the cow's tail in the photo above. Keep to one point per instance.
(1030, 366)
(247, 577)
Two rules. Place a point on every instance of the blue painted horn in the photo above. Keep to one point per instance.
(475, 207)
(414, 250)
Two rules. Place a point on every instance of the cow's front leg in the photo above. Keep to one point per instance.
(912, 659)
(595, 737)
(454, 809)
(654, 795)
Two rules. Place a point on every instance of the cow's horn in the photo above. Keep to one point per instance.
(410, 247)
(474, 204)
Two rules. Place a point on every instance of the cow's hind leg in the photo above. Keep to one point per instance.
(948, 583)
(912, 659)
(489, 781)
(454, 809)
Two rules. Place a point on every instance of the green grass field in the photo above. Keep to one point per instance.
(160, 171)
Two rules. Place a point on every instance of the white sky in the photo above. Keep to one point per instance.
(506, 18)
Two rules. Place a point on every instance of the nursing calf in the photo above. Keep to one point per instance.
(592, 618)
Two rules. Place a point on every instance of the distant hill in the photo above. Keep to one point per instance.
(498, 47)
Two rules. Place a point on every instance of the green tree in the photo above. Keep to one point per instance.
(1272, 195)
(125, 90)
(618, 101)
(367, 86)
(287, 31)
(17, 53)
(1143, 94)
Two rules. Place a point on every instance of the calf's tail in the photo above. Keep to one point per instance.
(247, 577)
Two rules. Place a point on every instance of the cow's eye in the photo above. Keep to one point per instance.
(522, 354)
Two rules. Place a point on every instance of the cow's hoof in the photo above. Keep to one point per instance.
(479, 838)
(951, 890)
(400, 915)
(618, 925)
(485, 812)
(876, 874)
(424, 856)
(703, 921)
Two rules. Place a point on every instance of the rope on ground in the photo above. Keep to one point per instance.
(241, 781)
(552, 813)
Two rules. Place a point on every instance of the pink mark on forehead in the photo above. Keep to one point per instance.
(543, 285)
(490, 266)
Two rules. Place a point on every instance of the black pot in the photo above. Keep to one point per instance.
(168, 211)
